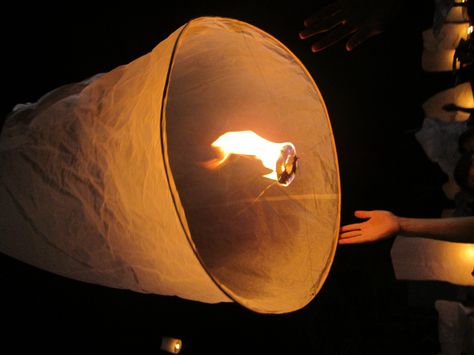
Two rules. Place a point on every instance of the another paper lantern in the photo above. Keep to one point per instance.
(438, 51)
(104, 181)
(436, 260)
(461, 96)
(457, 14)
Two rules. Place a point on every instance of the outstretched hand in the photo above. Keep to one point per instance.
(379, 225)
(357, 19)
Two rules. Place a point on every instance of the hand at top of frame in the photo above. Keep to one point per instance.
(356, 20)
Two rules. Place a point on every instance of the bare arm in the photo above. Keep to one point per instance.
(456, 229)
(384, 224)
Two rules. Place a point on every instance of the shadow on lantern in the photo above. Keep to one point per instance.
(102, 181)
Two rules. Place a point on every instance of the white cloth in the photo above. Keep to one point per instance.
(455, 327)
(440, 142)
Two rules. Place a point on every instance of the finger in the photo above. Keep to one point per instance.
(332, 38)
(361, 36)
(351, 227)
(355, 240)
(362, 214)
(327, 11)
(351, 234)
(321, 27)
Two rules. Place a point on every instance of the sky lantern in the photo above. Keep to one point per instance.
(421, 259)
(439, 50)
(205, 169)
(451, 105)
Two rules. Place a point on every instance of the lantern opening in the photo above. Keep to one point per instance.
(239, 102)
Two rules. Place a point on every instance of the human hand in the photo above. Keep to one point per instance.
(359, 19)
(379, 225)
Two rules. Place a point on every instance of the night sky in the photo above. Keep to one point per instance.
(373, 95)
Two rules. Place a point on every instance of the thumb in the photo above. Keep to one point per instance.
(363, 214)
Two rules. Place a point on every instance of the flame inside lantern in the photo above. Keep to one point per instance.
(280, 158)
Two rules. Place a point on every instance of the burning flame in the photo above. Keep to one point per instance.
(278, 157)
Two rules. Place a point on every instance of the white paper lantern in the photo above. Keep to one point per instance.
(460, 95)
(457, 14)
(438, 51)
(436, 260)
(102, 181)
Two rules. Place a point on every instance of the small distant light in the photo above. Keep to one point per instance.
(469, 30)
(171, 345)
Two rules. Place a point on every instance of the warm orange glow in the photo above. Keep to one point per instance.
(463, 95)
(249, 143)
(469, 253)
(171, 345)
(456, 14)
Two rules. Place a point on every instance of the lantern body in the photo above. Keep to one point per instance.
(457, 14)
(438, 51)
(460, 95)
(428, 259)
(102, 181)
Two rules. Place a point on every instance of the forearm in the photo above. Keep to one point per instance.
(456, 229)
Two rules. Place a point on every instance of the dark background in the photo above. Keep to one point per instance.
(373, 95)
